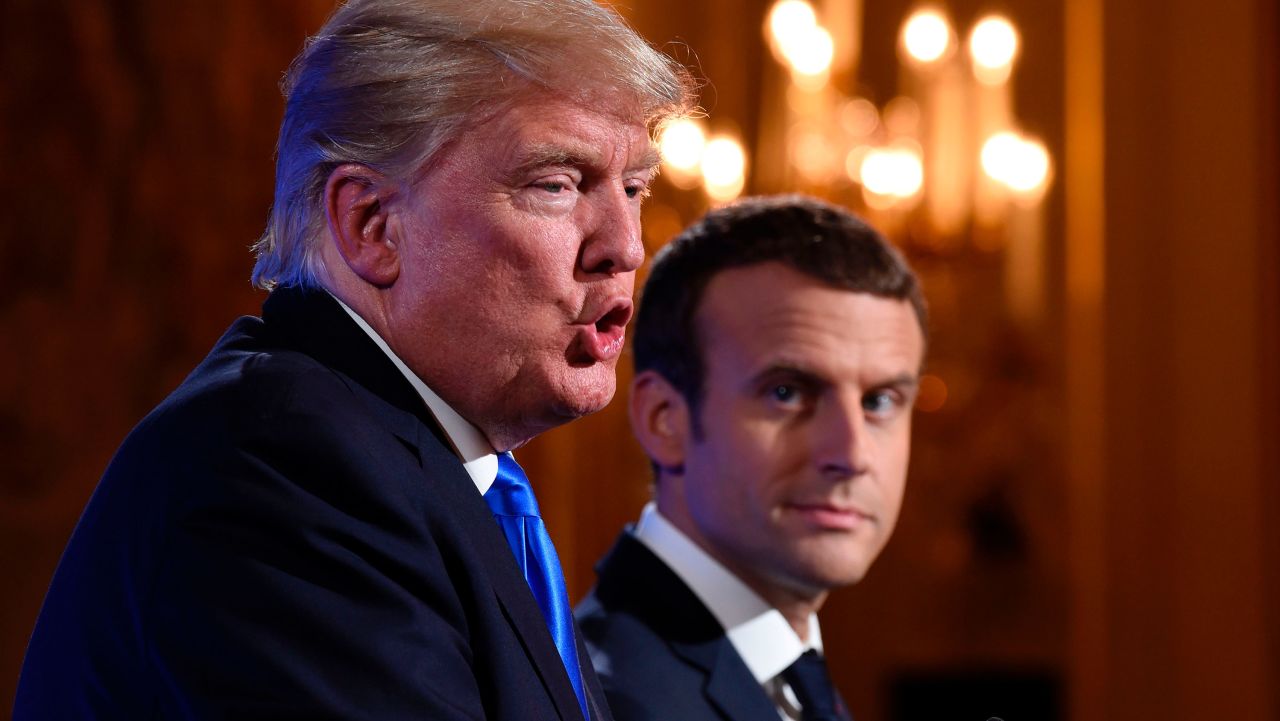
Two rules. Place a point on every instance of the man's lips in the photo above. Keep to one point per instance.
(830, 516)
(602, 330)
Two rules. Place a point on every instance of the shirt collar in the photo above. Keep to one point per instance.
(758, 631)
(469, 443)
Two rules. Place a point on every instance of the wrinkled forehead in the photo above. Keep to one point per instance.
(576, 124)
(529, 114)
(542, 130)
(586, 139)
(620, 104)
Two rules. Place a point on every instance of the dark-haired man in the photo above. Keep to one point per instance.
(777, 353)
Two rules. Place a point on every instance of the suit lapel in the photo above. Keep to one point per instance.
(512, 592)
(314, 323)
(591, 682)
(631, 578)
(730, 686)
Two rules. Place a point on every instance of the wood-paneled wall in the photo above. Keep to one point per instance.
(137, 142)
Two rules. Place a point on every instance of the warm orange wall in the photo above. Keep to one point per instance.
(137, 141)
(1180, 602)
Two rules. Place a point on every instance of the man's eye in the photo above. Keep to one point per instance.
(784, 393)
(881, 403)
(637, 191)
(553, 186)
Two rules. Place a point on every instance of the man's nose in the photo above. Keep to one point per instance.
(612, 244)
(841, 445)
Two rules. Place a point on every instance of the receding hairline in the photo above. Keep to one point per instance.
(566, 149)
(698, 313)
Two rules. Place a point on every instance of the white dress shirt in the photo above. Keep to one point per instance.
(762, 637)
(478, 456)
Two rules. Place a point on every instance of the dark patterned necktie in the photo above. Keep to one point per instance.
(513, 505)
(809, 680)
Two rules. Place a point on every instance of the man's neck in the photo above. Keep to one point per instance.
(468, 442)
(795, 607)
(766, 639)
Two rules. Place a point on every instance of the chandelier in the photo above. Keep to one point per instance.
(945, 153)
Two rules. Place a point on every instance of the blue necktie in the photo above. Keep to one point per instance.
(513, 505)
(812, 685)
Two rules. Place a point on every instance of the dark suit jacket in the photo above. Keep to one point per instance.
(288, 536)
(660, 653)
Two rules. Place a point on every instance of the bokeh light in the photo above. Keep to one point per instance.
(724, 168)
(896, 171)
(800, 42)
(902, 117)
(790, 19)
(811, 54)
(993, 45)
(1020, 164)
(859, 117)
(853, 162)
(932, 394)
(681, 144)
(926, 36)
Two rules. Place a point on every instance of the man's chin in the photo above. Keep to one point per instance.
(585, 391)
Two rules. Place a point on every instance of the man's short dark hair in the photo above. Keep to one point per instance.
(818, 239)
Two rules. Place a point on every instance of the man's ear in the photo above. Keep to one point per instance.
(660, 421)
(355, 203)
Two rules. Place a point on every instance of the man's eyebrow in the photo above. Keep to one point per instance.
(549, 156)
(650, 160)
(559, 156)
(903, 380)
(785, 370)
(802, 374)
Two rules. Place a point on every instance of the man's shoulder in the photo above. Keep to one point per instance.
(650, 665)
(643, 674)
(639, 613)
(251, 380)
(634, 583)
(250, 368)
(269, 440)
(659, 652)
(256, 408)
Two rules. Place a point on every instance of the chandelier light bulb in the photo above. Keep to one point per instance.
(993, 45)
(789, 23)
(1020, 164)
(926, 36)
(812, 55)
(682, 143)
(724, 165)
(893, 171)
